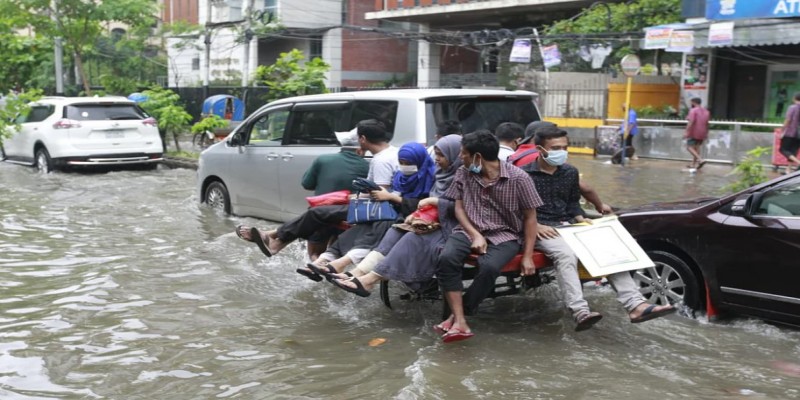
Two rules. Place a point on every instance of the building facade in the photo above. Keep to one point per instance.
(334, 30)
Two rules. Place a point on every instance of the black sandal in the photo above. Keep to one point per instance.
(309, 274)
(358, 291)
(262, 245)
(239, 234)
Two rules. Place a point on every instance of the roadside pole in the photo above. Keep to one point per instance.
(207, 42)
(630, 67)
(59, 55)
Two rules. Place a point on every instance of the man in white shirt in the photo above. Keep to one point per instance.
(509, 135)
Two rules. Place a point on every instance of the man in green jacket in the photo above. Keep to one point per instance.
(332, 172)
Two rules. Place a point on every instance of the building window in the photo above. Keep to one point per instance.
(271, 6)
(315, 48)
(196, 64)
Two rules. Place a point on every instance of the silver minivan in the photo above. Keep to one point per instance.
(256, 171)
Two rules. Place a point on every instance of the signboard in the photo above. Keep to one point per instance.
(696, 70)
(720, 34)
(657, 38)
(521, 51)
(681, 42)
(605, 247)
(630, 65)
(552, 56)
(749, 9)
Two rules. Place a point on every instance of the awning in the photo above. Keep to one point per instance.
(753, 32)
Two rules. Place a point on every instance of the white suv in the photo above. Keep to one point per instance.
(85, 131)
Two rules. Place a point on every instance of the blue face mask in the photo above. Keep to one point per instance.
(556, 157)
(475, 169)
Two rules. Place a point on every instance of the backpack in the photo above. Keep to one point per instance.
(514, 158)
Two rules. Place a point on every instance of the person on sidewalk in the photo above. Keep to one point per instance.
(557, 183)
(696, 132)
(509, 134)
(330, 173)
(790, 141)
(626, 133)
(372, 137)
(495, 207)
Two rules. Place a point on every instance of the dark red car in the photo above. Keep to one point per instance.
(738, 253)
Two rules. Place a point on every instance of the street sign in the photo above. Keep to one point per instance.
(630, 65)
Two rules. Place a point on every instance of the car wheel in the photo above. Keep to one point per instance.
(43, 162)
(217, 197)
(671, 281)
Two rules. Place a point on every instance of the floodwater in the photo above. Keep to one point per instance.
(120, 286)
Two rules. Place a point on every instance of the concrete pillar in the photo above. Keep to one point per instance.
(332, 54)
(427, 62)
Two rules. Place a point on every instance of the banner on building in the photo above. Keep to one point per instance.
(720, 34)
(551, 55)
(696, 71)
(681, 42)
(521, 51)
(748, 9)
(657, 38)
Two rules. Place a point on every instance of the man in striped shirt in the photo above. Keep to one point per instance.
(495, 206)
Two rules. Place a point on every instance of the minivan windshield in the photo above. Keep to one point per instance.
(103, 112)
(479, 113)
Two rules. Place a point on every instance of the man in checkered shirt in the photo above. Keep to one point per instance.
(495, 207)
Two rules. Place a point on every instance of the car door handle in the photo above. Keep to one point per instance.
(272, 156)
(287, 156)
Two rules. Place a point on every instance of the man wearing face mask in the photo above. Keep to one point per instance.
(495, 207)
(558, 186)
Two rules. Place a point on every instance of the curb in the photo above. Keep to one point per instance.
(179, 162)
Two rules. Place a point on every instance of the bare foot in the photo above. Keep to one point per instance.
(243, 231)
(445, 325)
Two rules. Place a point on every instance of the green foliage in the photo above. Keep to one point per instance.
(210, 124)
(12, 107)
(632, 16)
(750, 171)
(82, 23)
(119, 85)
(23, 51)
(164, 106)
(287, 77)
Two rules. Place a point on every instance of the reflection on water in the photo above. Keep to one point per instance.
(118, 285)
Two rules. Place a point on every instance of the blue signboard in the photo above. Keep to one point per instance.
(748, 9)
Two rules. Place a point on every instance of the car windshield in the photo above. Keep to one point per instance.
(103, 112)
(480, 113)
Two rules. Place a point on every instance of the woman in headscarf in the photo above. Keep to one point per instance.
(412, 258)
(413, 182)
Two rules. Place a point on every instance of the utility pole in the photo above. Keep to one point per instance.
(207, 41)
(59, 55)
(248, 37)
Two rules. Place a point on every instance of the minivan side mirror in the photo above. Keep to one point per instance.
(235, 140)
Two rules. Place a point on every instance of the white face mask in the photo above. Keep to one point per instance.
(408, 169)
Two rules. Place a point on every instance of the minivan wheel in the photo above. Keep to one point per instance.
(43, 162)
(671, 281)
(217, 197)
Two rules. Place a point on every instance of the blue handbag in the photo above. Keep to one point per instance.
(364, 210)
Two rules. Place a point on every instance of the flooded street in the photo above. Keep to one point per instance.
(121, 286)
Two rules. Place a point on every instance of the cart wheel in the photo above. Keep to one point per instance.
(775, 168)
(394, 292)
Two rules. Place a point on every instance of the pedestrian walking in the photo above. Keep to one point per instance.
(696, 132)
(627, 132)
(790, 141)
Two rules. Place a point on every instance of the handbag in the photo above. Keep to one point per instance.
(339, 197)
(365, 209)
(424, 220)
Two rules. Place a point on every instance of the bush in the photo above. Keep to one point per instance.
(750, 170)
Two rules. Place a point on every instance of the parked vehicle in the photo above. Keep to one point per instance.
(85, 131)
(257, 170)
(739, 253)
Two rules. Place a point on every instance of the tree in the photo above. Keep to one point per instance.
(81, 23)
(12, 107)
(23, 54)
(287, 77)
(631, 17)
(163, 105)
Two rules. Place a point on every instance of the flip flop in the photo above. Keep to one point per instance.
(358, 291)
(309, 274)
(456, 336)
(588, 321)
(442, 329)
(649, 314)
(262, 245)
(239, 234)
(701, 164)
(346, 274)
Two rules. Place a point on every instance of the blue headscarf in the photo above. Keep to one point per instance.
(417, 185)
